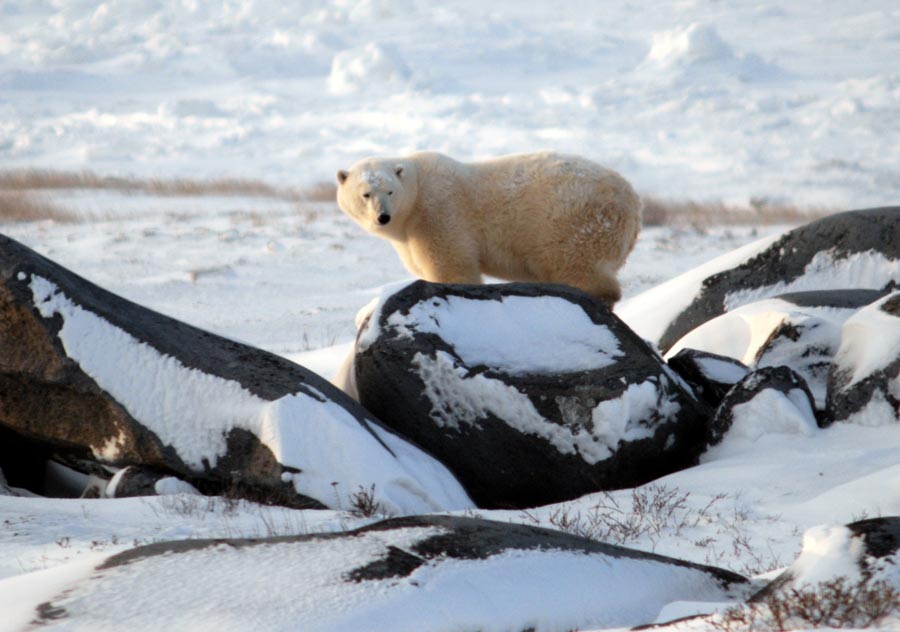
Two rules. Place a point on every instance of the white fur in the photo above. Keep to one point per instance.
(543, 217)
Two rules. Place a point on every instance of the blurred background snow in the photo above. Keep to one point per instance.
(728, 100)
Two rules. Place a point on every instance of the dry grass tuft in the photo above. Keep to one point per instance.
(19, 200)
(40, 179)
(659, 212)
(25, 193)
(24, 206)
(321, 192)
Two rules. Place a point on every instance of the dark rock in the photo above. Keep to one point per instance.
(529, 393)
(709, 374)
(771, 395)
(134, 481)
(807, 345)
(880, 535)
(805, 257)
(92, 379)
(418, 572)
(864, 380)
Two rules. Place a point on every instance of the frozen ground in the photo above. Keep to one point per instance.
(712, 100)
(790, 102)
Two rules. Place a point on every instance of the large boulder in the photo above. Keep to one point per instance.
(864, 382)
(436, 573)
(529, 393)
(855, 249)
(101, 383)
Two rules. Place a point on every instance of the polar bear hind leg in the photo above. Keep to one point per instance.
(597, 279)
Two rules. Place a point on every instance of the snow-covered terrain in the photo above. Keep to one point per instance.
(701, 99)
(748, 102)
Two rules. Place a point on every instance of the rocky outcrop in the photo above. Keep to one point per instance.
(529, 393)
(101, 383)
(451, 572)
(851, 250)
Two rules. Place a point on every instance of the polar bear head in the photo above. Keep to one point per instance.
(378, 193)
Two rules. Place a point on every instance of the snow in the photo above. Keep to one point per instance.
(772, 412)
(735, 101)
(358, 69)
(741, 332)
(455, 394)
(548, 590)
(870, 341)
(516, 335)
(720, 370)
(828, 553)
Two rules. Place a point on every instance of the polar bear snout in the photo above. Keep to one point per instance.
(383, 218)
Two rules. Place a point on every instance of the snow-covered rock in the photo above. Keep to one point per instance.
(864, 383)
(771, 400)
(851, 250)
(431, 573)
(100, 380)
(866, 550)
(710, 375)
(529, 393)
(801, 330)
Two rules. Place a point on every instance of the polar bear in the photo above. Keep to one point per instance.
(542, 217)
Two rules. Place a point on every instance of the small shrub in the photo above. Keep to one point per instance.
(364, 503)
(653, 510)
(837, 603)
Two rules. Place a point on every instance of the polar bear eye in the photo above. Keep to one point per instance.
(367, 195)
(390, 193)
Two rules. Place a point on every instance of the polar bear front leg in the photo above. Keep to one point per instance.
(447, 261)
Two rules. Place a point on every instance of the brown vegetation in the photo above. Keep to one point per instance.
(24, 206)
(658, 212)
(838, 604)
(21, 198)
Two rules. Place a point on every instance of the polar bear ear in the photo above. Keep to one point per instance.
(398, 170)
(342, 176)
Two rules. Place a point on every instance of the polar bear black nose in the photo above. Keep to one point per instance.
(383, 218)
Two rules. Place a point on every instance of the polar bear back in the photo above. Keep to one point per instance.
(523, 205)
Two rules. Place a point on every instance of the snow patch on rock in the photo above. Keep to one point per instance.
(772, 412)
(458, 396)
(870, 342)
(828, 552)
(826, 271)
(515, 335)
